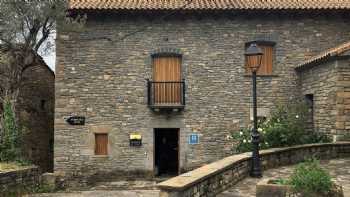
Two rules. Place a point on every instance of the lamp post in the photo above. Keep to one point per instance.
(253, 56)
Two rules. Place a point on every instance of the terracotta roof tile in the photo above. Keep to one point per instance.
(338, 50)
(209, 4)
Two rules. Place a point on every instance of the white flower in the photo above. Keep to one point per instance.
(241, 133)
(228, 137)
(297, 116)
(260, 129)
(266, 143)
(244, 141)
(249, 141)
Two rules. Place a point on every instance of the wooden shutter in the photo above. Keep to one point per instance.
(101, 144)
(167, 69)
(266, 62)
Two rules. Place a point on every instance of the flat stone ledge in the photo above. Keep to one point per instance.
(24, 170)
(188, 179)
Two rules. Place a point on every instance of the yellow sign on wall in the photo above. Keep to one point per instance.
(135, 139)
(135, 136)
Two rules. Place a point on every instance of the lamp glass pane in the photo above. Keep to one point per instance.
(254, 62)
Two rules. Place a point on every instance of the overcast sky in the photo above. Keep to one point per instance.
(49, 56)
(50, 60)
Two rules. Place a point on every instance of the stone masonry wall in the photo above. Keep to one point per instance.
(13, 183)
(321, 81)
(343, 99)
(36, 114)
(329, 83)
(102, 76)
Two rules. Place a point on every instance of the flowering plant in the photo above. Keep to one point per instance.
(243, 140)
(285, 127)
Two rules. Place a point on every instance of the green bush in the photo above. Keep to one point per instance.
(310, 179)
(285, 127)
(10, 135)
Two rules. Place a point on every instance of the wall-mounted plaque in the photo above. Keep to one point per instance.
(76, 120)
(193, 138)
(135, 140)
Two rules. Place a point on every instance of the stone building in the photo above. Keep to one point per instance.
(324, 81)
(36, 112)
(35, 109)
(162, 83)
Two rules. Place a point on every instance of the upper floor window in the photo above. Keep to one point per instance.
(166, 68)
(267, 59)
(167, 80)
(166, 90)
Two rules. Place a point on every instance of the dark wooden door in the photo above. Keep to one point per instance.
(166, 151)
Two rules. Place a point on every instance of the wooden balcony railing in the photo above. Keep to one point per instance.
(166, 94)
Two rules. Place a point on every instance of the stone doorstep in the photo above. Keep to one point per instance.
(125, 185)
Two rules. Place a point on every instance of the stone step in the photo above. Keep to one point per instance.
(125, 185)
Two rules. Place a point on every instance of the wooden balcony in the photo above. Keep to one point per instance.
(166, 94)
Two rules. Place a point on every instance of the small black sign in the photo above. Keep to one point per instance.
(76, 120)
(135, 142)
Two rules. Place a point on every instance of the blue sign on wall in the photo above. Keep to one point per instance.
(193, 139)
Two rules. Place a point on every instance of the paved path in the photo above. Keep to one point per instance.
(101, 193)
(338, 168)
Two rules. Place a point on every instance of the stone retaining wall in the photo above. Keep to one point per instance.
(17, 181)
(216, 177)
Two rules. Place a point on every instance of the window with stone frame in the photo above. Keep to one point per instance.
(101, 144)
(267, 60)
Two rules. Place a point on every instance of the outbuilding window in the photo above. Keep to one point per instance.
(267, 59)
(101, 144)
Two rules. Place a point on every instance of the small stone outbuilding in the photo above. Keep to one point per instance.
(325, 83)
(35, 112)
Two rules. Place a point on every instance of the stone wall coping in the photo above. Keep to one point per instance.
(286, 149)
(183, 181)
(190, 178)
(18, 171)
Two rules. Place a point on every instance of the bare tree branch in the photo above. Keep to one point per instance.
(26, 26)
(45, 34)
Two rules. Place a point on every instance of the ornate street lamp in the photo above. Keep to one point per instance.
(253, 56)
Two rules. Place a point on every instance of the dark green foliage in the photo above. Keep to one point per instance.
(317, 138)
(285, 127)
(309, 179)
(280, 181)
(11, 136)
